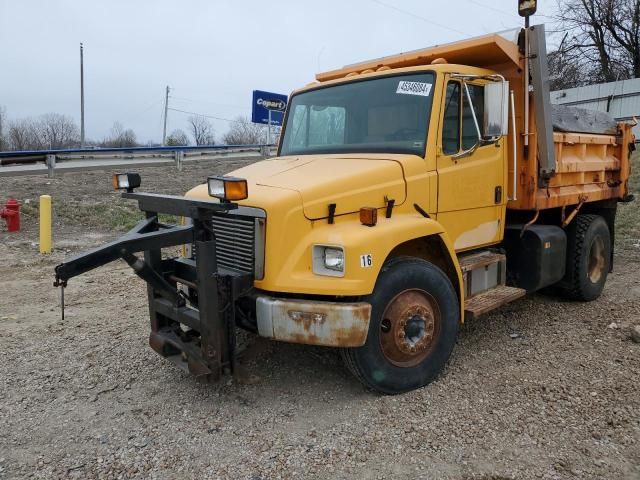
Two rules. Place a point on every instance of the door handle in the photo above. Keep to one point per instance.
(497, 194)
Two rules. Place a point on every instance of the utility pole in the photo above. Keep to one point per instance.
(81, 96)
(166, 110)
(2, 111)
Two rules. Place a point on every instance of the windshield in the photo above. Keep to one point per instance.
(381, 115)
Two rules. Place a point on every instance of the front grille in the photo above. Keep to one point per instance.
(239, 241)
(235, 241)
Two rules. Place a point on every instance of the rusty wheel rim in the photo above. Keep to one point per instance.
(597, 260)
(410, 327)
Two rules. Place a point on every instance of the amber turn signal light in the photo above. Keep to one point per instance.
(368, 216)
(228, 188)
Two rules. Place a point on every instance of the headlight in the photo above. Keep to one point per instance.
(328, 260)
(125, 181)
(334, 259)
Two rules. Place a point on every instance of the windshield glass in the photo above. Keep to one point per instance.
(381, 115)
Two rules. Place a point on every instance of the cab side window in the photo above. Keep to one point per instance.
(458, 128)
(469, 132)
(451, 121)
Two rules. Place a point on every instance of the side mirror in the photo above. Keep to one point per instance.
(496, 110)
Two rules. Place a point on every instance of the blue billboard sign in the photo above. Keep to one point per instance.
(265, 102)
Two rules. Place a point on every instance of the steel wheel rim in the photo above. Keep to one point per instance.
(410, 327)
(597, 260)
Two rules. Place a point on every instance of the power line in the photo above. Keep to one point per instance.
(206, 115)
(393, 7)
(193, 100)
(504, 12)
(135, 115)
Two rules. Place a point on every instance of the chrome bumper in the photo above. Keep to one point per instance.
(334, 324)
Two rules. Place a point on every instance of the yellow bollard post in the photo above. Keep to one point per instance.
(46, 240)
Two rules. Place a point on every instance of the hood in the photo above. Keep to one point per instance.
(351, 182)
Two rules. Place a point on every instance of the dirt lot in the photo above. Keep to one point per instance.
(543, 388)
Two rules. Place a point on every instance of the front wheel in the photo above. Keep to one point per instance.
(413, 328)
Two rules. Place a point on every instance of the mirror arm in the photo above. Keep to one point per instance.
(467, 152)
(490, 140)
(473, 112)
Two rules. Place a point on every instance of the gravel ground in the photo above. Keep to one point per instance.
(540, 389)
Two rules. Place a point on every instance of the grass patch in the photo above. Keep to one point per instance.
(628, 217)
(31, 209)
(119, 214)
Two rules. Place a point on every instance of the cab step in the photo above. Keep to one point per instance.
(490, 300)
(477, 260)
(482, 271)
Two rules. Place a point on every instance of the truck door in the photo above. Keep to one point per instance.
(471, 175)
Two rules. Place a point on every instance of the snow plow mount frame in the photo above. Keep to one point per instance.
(193, 328)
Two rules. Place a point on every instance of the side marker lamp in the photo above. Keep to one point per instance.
(368, 216)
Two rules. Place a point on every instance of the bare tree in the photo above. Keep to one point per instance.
(4, 142)
(120, 137)
(58, 131)
(623, 23)
(602, 37)
(564, 72)
(244, 132)
(24, 134)
(177, 138)
(49, 131)
(201, 130)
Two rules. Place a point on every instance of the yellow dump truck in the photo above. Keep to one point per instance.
(409, 194)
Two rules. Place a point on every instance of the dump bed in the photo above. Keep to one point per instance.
(557, 168)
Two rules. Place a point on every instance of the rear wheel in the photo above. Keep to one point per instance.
(588, 258)
(413, 328)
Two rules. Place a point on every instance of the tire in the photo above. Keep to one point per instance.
(414, 306)
(588, 258)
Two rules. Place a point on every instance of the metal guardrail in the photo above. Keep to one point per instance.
(48, 162)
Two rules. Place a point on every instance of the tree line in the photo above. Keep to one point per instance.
(600, 42)
(54, 131)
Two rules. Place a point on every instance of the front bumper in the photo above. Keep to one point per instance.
(334, 324)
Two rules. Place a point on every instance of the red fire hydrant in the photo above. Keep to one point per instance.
(11, 214)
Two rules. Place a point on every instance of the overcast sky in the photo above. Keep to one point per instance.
(211, 53)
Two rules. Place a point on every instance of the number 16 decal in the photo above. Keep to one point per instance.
(366, 261)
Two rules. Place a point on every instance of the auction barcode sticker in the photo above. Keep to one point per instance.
(414, 88)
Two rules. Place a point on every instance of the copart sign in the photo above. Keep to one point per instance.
(265, 102)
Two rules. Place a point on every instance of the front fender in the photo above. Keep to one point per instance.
(295, 274)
